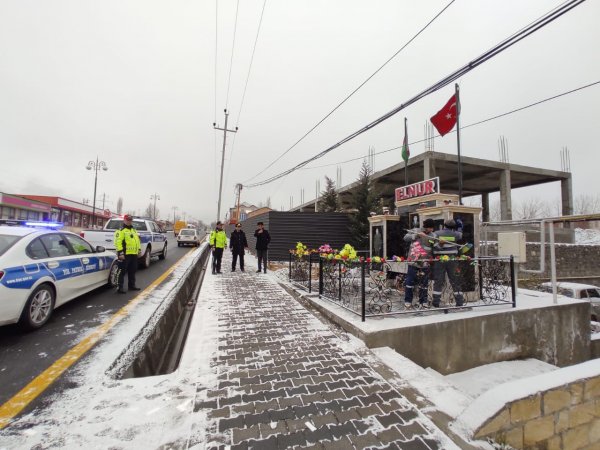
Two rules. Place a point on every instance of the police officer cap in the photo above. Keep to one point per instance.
(450, 224)
(219, 223)
(428, 223)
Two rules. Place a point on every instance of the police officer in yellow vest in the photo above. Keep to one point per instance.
(217, 242)
(128, 246)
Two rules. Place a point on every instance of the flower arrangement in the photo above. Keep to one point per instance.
(325, 250)
(398, 258)
(376, 260)
(301, 250)
(348, 253)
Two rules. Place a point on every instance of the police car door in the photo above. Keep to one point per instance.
(64, 267)
(95, 270)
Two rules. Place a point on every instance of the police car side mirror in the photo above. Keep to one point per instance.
(100, 249)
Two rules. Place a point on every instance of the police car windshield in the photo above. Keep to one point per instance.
(115, 224)
(6, 242)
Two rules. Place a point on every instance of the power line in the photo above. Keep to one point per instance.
(463, 127)
(353, 92)
(232, 50)
(251, 61)
(246, 86)
(494, 51)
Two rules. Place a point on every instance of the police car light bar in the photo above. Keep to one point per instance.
(44, 224)
(25, 223)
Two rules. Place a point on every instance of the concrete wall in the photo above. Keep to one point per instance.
(573, 262)
(562, 418)
(558, 335)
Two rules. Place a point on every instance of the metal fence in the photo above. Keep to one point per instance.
(372, 289)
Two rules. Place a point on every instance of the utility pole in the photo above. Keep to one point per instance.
(155, 197)
(238, 187)
(225, 130)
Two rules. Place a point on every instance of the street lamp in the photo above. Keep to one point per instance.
(155, 197)
(95, 165)
(175, 208)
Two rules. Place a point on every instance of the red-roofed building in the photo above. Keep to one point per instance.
(19, 208)
(74, 215)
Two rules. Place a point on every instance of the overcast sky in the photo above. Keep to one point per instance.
(133, 82)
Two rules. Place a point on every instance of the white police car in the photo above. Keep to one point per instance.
(42, 268)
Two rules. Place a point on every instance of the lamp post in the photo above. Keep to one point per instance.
(175, 208)
(155, 197)
(95, 165)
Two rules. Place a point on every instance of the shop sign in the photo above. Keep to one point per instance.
(426, 187)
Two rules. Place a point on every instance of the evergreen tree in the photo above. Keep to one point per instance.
(364, 200)
(329, 198)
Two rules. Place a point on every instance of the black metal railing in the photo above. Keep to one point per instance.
(302, 270)
(373, 289)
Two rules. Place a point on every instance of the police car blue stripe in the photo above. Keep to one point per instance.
(24, 277)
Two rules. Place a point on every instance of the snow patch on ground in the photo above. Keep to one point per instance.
(102, 412)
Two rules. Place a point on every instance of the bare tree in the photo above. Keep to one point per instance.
(150, 212)
(532, 208)
(587, 204)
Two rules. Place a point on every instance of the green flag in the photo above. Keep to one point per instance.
(405, 150)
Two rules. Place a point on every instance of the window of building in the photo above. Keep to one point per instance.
(22, 214)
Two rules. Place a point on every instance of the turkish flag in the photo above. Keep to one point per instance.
(445, 119)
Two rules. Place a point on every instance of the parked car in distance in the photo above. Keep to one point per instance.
(579, 291)
(188, 236)
(41, 269)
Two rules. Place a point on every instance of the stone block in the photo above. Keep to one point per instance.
(592, 389)
(514, 437)
(525, 409)
(580, 414)
(556, 400)
(561, 422)
(555, 443)
(576, 393)
(498, 423)
(595, 432)
(538, 430)
(576, 438)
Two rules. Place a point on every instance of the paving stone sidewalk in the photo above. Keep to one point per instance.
(286, 380)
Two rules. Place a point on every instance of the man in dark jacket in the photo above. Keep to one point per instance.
(237, 244)
(262, 244)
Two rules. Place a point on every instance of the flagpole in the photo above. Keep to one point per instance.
(406, 160)
(458, 144)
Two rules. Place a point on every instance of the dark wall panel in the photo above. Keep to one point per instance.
(288, 228)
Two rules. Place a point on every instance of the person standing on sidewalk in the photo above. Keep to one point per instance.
(262, 246)
(418, 265)
(217, 242)
(237, 244)
(446, 247)
(128, 246)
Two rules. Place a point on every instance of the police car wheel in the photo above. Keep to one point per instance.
(38, 308)
(113, 275)
(163, 255)
(146, 259)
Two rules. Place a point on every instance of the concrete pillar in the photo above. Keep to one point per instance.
(428, 168)
(505, 196)
(485, 207)
(566, 193)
